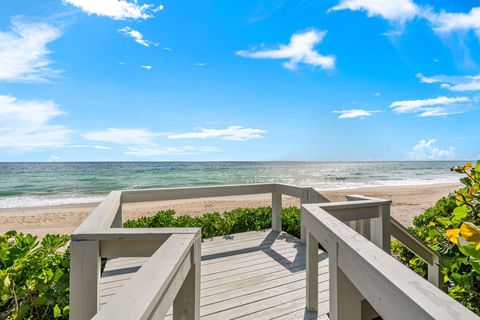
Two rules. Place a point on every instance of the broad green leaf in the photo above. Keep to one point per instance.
(56, 311)
(459, 214)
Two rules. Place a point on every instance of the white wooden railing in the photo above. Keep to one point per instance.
(407, 239)
(155, 286)
(361, 270)
(172, 274)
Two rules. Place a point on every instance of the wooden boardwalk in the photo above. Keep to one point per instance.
(251, 275)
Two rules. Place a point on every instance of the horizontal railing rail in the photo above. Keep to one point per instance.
(359, 269)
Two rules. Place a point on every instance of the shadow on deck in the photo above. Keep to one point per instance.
(251, 275)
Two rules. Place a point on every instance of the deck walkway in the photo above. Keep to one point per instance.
(251, 275)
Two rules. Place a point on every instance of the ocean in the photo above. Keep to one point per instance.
(55, 183)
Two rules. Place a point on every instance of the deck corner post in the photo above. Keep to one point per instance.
(186, 305)
(276, 211)
(380, 228)
(84, 279)
(434, 275)
(312, 273)
(117, 220)
(303, 232)
(345, 299)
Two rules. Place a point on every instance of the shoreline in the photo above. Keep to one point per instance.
(407, 202)
(96, 203)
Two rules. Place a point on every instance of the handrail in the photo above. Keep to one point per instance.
(101, 236)
(358, 268)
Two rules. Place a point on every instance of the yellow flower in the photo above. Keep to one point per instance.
(470, 233)
(467, 166)
(453, 235)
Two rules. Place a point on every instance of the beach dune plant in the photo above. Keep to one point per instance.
(451, 227)
(34, 276)
(217, 224)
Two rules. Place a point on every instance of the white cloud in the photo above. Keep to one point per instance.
(146, 67)
(87, 146)
(200, 64)
(53, 158)
(454, 83)
(444, 22)
(24, 52)
(440, 106)
(137, 36)
(393, 10)
(354, 113)
(425, 150)
(156, 150)
(377, 94)
(26, 124)
(235, 133)
(299, 50)
(116, 9)
(123, 136)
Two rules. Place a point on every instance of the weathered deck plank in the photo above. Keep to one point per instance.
(251, 275)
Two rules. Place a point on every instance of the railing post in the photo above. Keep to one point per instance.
(345, 299)
(84, 279)
(434, 275)
(380, 228)
(186, 305)
(312, 273)
(276, 211)
(117, 220)
(303, 231)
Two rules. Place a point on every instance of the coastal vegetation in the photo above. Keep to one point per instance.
(451, 228)
(34, 274)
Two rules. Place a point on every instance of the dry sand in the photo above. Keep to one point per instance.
(407, 202)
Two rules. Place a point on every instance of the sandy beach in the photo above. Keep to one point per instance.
(407, 202)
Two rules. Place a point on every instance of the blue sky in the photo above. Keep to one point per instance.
(85, 80)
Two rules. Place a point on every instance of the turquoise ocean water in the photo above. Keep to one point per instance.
(46, 184)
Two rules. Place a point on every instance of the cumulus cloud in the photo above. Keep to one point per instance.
(136, 36)
(392, 10)
(26, 124)
(453, 83)
(299, 50)
(426, 150)
(146, 67)
(116, 9)
(123, 136)
(24, 52)
(156, 150)
(354, 113)
(440, 106)
(235, 133)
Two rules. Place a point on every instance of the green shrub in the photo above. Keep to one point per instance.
(216, 224)
(34, 277)
(443, 221)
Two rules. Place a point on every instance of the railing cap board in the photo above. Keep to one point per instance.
(411, 290)
(134, 233)
(144, 195)
(341, 205)
(102, 216)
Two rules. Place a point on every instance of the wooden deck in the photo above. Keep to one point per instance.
(252, 275)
